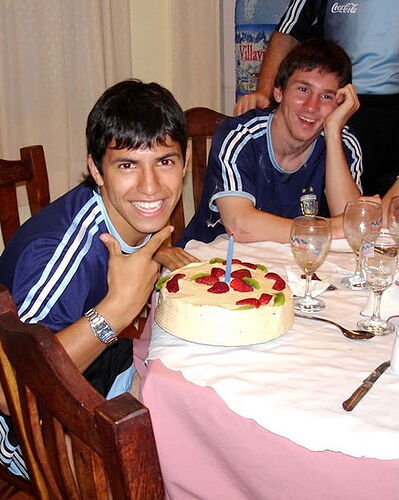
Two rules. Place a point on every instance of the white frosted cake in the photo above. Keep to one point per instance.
(196, 304)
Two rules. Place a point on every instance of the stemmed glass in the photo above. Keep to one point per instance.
(310, 240)
(360, 217)
(378, 258)
(393, 216)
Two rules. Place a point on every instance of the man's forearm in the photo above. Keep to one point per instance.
(249, 224)
(273, 228)
(337, 230)
(340, 186)
(278, 47)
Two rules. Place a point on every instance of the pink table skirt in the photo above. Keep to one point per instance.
(209, 452)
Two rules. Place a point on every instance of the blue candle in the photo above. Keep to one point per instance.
(227, 276)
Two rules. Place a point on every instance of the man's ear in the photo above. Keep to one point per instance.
(277, 94)
(94, 171)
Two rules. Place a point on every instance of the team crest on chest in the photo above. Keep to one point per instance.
(309, 205)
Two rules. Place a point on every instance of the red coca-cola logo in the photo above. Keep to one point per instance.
(345, 8)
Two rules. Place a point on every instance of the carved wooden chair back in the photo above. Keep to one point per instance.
(201, 124)
(76, 444)
(30, 170)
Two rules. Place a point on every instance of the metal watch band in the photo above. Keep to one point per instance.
(101, 328)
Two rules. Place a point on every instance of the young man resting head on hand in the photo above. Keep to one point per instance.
(271, 165)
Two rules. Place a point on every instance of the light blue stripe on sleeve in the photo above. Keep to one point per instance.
(52, 262)
(71, 272)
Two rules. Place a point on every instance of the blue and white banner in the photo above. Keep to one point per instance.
(255, 21)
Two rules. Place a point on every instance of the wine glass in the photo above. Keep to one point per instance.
(310, 240)
(360, 217)
(393, 215)
(378, 258)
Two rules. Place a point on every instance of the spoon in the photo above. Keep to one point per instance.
(351, 334)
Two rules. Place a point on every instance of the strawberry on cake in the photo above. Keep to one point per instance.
(196, 304)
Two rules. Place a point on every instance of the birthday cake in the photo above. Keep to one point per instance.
(196, 304)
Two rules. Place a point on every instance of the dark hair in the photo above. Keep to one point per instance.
(132, 114)
(324, 55)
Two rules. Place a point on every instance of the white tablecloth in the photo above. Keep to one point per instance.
(294, 385)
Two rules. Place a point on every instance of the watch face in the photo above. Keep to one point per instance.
(100, 327)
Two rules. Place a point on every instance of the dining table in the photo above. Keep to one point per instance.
(266, 421)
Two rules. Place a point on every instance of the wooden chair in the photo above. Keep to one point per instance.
(14, 487)
(61, 419)
(201, 123)
(30, 170)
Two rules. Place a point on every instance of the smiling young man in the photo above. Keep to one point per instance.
(269, 166)
(84, 266)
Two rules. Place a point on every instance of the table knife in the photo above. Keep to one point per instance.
(367, 384)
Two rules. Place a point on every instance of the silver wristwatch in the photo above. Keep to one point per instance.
(101, 328)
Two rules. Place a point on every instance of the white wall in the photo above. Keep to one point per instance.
(228, 77)
(177, 43)
(151, 34)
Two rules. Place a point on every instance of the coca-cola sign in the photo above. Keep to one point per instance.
(345, 8)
